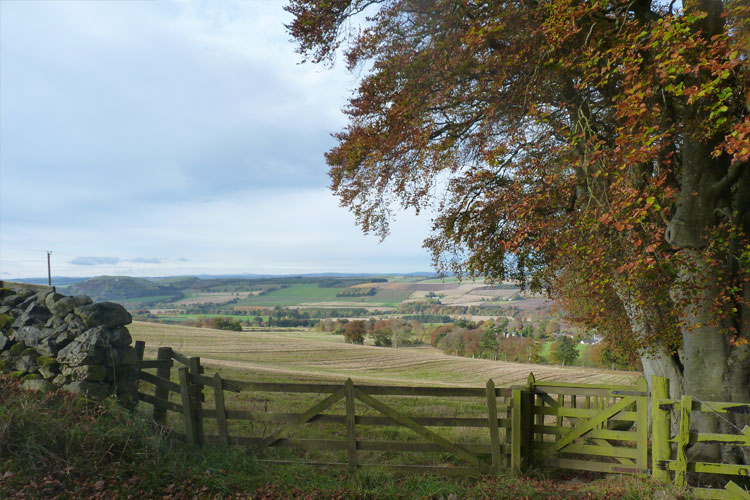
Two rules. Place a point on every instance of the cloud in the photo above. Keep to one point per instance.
(94, 261)
(146, 260)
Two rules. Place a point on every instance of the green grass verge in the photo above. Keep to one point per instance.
(61, 446)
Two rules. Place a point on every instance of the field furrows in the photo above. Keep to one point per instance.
(303, 355)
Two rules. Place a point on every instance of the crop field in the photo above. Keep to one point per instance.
(305, 355)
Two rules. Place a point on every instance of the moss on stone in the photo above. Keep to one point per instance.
(30, 351)
(5, 365)
(45, 362)
(17, 349)
(17, 373)
(31, 376)
(6, 320)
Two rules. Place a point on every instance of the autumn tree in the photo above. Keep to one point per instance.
(598, 150)
(354, 332)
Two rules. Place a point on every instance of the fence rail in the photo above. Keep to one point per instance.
(591, 427)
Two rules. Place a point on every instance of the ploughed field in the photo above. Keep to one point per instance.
(303, 355)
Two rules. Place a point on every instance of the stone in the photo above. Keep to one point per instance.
(36, 384)
(41, 297)
(27, 300)
(106, 314)
(93, 390)
(5, 309)
(98, 336)
(49, 372)
(33, 314)
(78, 353)
(61, 380)
(120, 337)
(74, 324)
(31, 335)
(51, 299)
(127, 356)
(63, 307)
(92, 373)
(27, 362)
(12, 300)
(5, 342)
(82, 300)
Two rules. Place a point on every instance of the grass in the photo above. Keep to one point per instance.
(312, 357)
(292, 296)
(60, 446)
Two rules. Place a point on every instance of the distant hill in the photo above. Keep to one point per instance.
(119, 288)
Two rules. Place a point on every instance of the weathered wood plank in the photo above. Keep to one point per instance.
(299, 420)
(359, 419)
(641, 425)
(549, 386)
(181, 358)
(163, 371)
(187, 408)
(154, 363)
(351, 430)
(374, 390)
(602, 451)
(707, 437)
(718, 407)
(596, 433)
(160, 403)
(494, 431)
(160, 382)
(559, 411)
(569, 463)
(661, 429)
(516, 430)
(196, 391)
(683, 439)
(221, 411)
(583, 429)
(419, 429)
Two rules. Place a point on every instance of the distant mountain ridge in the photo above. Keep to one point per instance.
(168, 289)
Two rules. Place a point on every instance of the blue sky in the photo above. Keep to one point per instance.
(153, 138)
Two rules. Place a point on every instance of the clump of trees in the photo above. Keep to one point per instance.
(218, 323)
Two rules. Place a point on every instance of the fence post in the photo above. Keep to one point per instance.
(162, 354)
(527, 410)
(494, 431)
(683, 439)
(516, 431)
(351, 430)
(196, 391)
(641, 409)
(660, 429)
(188, 413)
(221, 411)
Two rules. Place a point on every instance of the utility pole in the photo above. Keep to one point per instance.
(49, 269)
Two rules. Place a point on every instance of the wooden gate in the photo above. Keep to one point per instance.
(602, 428)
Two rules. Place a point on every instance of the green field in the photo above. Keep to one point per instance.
(292, 296)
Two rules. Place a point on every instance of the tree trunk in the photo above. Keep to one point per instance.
(714, 369)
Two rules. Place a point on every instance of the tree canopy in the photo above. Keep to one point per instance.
(595, 149)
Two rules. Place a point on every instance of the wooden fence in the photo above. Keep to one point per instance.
(603, 428)
(681, 465)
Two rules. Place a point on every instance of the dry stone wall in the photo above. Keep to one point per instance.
(52, 340)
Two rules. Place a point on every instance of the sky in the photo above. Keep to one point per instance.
(156, 138)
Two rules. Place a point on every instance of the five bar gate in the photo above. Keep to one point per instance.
(591, 427)
(550, 424)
